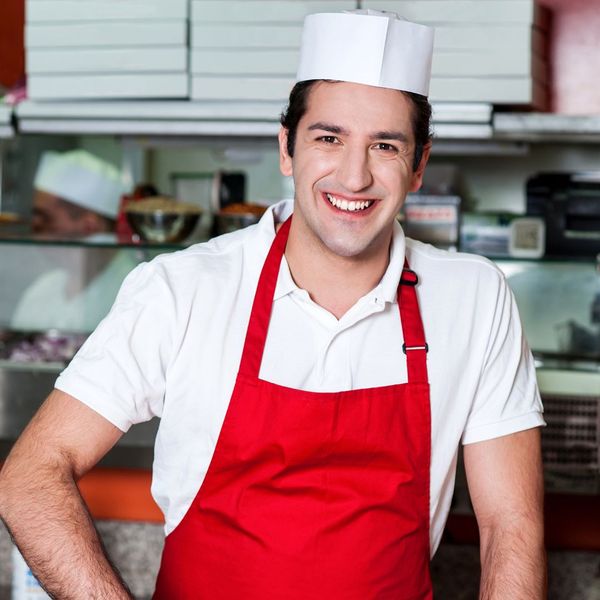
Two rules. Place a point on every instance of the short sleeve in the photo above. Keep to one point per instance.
(120, 371)
(507, 398)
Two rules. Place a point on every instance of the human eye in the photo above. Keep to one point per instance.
(385, 147)
(328, 139)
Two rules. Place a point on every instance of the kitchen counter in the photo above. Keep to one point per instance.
(23, 388)
(135, 549)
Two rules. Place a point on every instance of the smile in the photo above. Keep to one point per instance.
(350, 206)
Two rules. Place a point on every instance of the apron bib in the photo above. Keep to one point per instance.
(311, 495)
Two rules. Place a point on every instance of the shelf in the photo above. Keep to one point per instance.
(178, 118)
(546, 127)
(210, 119)
(592, 261)
(460, 127)
(24, 238)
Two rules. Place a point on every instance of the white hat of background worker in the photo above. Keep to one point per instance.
(82, 179)
(367, 46)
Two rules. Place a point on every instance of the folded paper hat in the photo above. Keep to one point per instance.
(83, 179)
(367, 46)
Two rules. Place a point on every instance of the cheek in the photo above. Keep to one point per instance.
(310, 171)
(392, 176)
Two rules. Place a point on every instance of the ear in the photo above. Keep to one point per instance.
(285, 160)
(417, 176)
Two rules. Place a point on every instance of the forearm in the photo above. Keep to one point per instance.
(513, 562)
(50, 524)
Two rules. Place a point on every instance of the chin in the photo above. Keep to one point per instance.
(346, 249)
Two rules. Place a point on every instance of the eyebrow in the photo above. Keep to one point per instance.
(328, 127)
(378, 135)
(390, 135)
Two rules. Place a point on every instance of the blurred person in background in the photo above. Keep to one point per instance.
(76, 194)
(76, 197)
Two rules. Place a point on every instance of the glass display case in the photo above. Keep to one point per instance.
(559, 305)
(53, 294)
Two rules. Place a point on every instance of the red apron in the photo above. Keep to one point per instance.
(311, 495)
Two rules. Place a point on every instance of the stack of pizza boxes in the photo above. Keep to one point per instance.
(102, 49)
(248, 49)
(489, 52)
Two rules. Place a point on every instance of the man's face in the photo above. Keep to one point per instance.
(352, 166)
(54, 216)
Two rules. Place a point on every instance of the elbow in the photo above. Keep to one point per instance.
(522, 530)
(24, 478)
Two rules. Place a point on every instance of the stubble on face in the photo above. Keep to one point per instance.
(352, 168)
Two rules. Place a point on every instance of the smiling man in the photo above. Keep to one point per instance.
(314, 375)
(352, 159)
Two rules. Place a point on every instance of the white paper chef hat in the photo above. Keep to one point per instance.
(81, 178)
(367, 46)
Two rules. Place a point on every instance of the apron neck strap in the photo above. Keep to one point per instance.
(258, 326)
(414, 346)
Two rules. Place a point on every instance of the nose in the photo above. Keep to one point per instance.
(354, 171)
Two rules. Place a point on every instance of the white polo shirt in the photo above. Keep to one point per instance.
(171, 345)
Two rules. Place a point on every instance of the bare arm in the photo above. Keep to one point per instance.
(42, 507)
(506, 486)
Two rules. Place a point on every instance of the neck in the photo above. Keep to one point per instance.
(334, 282)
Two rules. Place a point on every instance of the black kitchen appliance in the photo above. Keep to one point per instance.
(570, 205)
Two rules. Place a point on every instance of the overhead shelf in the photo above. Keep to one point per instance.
(456, 123)
(546, 127)
(212, 119)
(258, 119)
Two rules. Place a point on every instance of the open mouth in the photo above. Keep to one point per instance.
(349, 205)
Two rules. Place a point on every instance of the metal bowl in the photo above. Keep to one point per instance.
(237, 216)
(228, 222)
(161, 226)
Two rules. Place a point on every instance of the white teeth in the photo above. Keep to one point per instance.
(349, 206)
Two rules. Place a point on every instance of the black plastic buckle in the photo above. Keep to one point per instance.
(409, 277)
(425, 347)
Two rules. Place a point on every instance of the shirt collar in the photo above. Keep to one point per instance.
(385, 291)
(387, 288)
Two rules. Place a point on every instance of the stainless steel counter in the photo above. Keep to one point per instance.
(24, 387)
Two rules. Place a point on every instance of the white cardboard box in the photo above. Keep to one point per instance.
(495, 90)
(90, 87)
(45, 11)
(107, 60)
(241, 88)
(237, 35)
(81, 35)
(467, 63)
(516, 39)
(459, 112)
(526, 12)
(501, 90)
(262, 11)
(256, 61)
(273, 61)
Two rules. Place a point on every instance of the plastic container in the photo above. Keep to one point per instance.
(24, 585)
